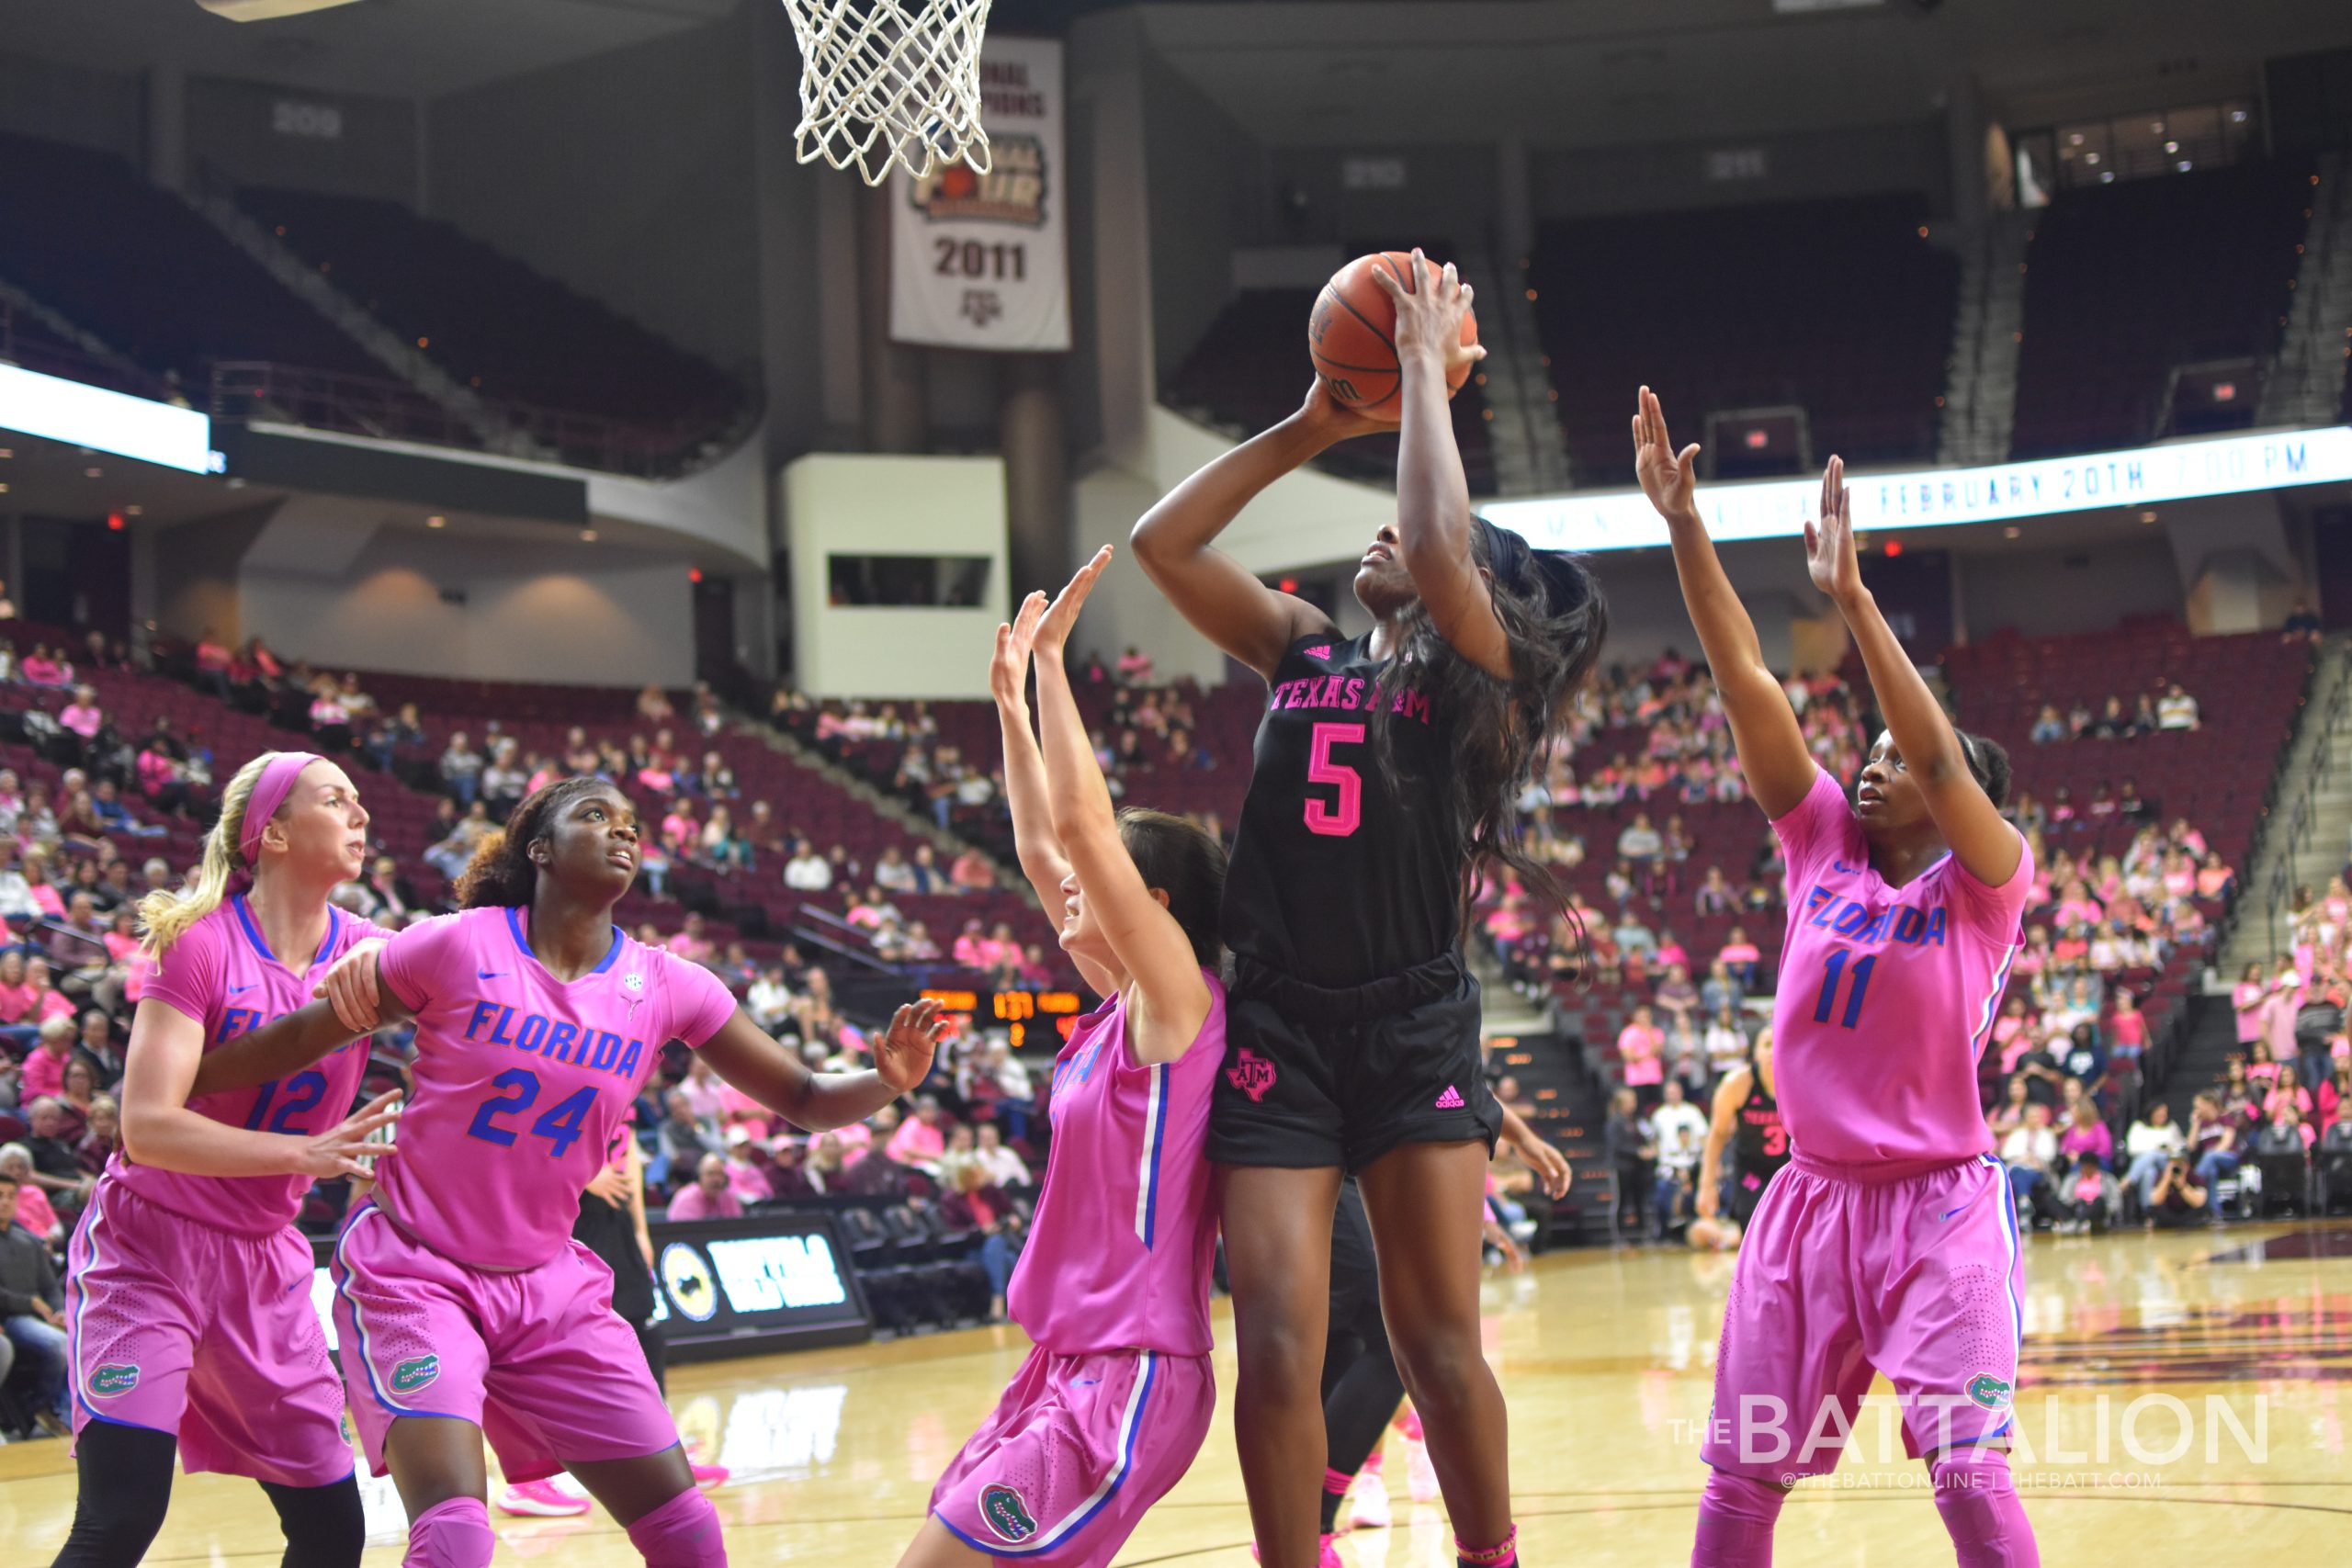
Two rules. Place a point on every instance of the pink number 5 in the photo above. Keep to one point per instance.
(1343, 815)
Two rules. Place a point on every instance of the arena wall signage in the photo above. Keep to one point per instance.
(979, 261)
(90, 416)
(1942, 498)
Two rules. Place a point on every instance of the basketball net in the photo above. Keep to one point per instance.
(890, 83)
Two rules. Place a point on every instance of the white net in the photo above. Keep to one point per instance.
(887, 82)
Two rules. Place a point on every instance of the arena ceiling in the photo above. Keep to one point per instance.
(1562, 73)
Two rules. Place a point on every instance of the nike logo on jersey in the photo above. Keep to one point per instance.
(246, 986)
(490, 973)
(1947, 1214)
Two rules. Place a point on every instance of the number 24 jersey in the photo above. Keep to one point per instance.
(522, 1079)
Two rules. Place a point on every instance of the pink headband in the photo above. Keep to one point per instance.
(269, 794)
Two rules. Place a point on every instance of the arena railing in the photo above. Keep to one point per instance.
(2331, 704)
(391, 410)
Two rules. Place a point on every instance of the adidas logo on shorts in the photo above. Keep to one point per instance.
(1450, 1100)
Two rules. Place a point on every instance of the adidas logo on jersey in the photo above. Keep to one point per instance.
(1450, 1100)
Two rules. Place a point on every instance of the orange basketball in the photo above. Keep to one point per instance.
(1351, 333)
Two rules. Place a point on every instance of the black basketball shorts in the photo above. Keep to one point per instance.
(1317, 1077)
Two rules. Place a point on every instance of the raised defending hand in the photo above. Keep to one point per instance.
(903, 1053)
(1053, 632)
(1428, 315)
(1829, 554)
(1008, 670)
(1668, 478)
(350, 985)
(343, 1149)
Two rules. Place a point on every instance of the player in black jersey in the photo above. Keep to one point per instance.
(1748, 1119)
(1385, 768)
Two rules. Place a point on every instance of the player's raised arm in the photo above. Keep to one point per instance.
(1772, 748)
(1432, 492)
(1980, 837)
(1171, 997)
(1175, 541)
(1042, 859)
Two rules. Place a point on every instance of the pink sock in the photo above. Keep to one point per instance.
(681, 1533)
(1982, 1514)
(1503, 1556)
(1736, 1517)
(455, 1534)
(1336, 1482)
(1371, 1464)
(1411, 1424)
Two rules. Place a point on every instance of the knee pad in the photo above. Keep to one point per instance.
(455, 1534)
(1980, 1509)
(326, 1527)
(682, 1533)
(1735, 1518)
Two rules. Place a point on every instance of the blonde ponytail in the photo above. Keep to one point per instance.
(165, 916)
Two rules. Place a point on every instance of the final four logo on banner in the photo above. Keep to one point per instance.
(977, 261)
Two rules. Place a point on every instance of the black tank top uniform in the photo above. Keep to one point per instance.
(1760, 1143)
(1352, 1025)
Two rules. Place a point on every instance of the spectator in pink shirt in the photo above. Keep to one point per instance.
(919, 1139)
(691, 944)
(44, 1075)
(82, 715)
(1641, 1046)
(709, 1197)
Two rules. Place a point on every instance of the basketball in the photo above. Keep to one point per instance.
(1351, 333)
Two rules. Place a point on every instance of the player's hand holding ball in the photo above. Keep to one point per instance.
(903, 1053)
(1431, 311)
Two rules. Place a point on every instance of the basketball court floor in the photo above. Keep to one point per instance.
(2187, 1399)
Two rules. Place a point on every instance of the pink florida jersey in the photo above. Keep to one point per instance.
(1124, 1233)
(1887, 995)
(521, 1081)
(222, 973)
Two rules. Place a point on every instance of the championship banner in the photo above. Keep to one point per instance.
(980, 261)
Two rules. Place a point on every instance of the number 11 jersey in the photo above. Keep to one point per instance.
(522, 1079)
(1339, 874)
(1887, 995)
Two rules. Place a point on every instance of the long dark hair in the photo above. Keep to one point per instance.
(501, 874)
(1184, 860)
(1555, 619)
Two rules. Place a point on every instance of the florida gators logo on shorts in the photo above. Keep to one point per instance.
(1989, 1391)
(1006, 1513)
(414, 1373)
(1252, 1075)
(112, 1377)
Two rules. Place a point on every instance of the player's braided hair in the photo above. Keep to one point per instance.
(501, 874)
(1555, 619)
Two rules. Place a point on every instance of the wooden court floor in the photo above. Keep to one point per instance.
(2187, 1399)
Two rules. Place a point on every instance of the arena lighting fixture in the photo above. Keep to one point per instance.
(266, 10)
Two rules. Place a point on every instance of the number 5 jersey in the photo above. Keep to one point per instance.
(1341, 874)
(521, 1078)
(1887, 995)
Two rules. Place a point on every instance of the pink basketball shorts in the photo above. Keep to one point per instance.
(181, 1327)
(1841, 1276)
(537, 1357)
(1079, 1446)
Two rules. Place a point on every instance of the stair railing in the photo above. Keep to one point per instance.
(2332, 701)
